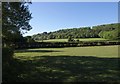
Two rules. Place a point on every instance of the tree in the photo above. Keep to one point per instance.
(15, 20)
(77, 40)
(82, 32)
(112, 35)
(29, 39)
(70, 38)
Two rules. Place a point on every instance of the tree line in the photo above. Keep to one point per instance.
(107, 31)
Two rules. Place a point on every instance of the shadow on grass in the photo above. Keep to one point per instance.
(26, 50)
(64, 69)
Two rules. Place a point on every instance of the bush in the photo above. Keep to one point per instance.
(77, 40)
(99, 44)
(7, 54)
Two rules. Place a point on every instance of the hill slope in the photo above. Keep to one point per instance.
(82, 32)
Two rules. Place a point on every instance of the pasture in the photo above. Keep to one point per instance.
(73, 64)
(80, 39)
(96, 51)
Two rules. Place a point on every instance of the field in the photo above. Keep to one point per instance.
(81, 39)
(97, 51)
(73, 64)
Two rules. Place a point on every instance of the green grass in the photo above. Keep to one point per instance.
(81, 39)
(97, 51)
(74, 64)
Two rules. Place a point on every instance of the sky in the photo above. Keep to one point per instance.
(53, 16)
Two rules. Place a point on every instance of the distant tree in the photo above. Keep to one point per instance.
(112, 35)
(77, 40)
(70, 38)
(29, 39)
(44, 33)
(83, 32)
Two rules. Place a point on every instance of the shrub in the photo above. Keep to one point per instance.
(98, 43)
(77, 40)
(7, 54)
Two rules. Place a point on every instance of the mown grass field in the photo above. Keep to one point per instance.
(66, 40)
(97, 51)
(73, 64)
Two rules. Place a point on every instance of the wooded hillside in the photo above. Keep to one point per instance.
(108, 31)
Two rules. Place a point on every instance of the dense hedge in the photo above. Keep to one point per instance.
(63, 44)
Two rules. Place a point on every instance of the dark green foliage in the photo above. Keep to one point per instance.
(83, 32)
(70, 39)
(64, 44)
(107, 27)
(77, 40)
(112, 35)
(29, 39)
(7, 55)
(15, 20)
